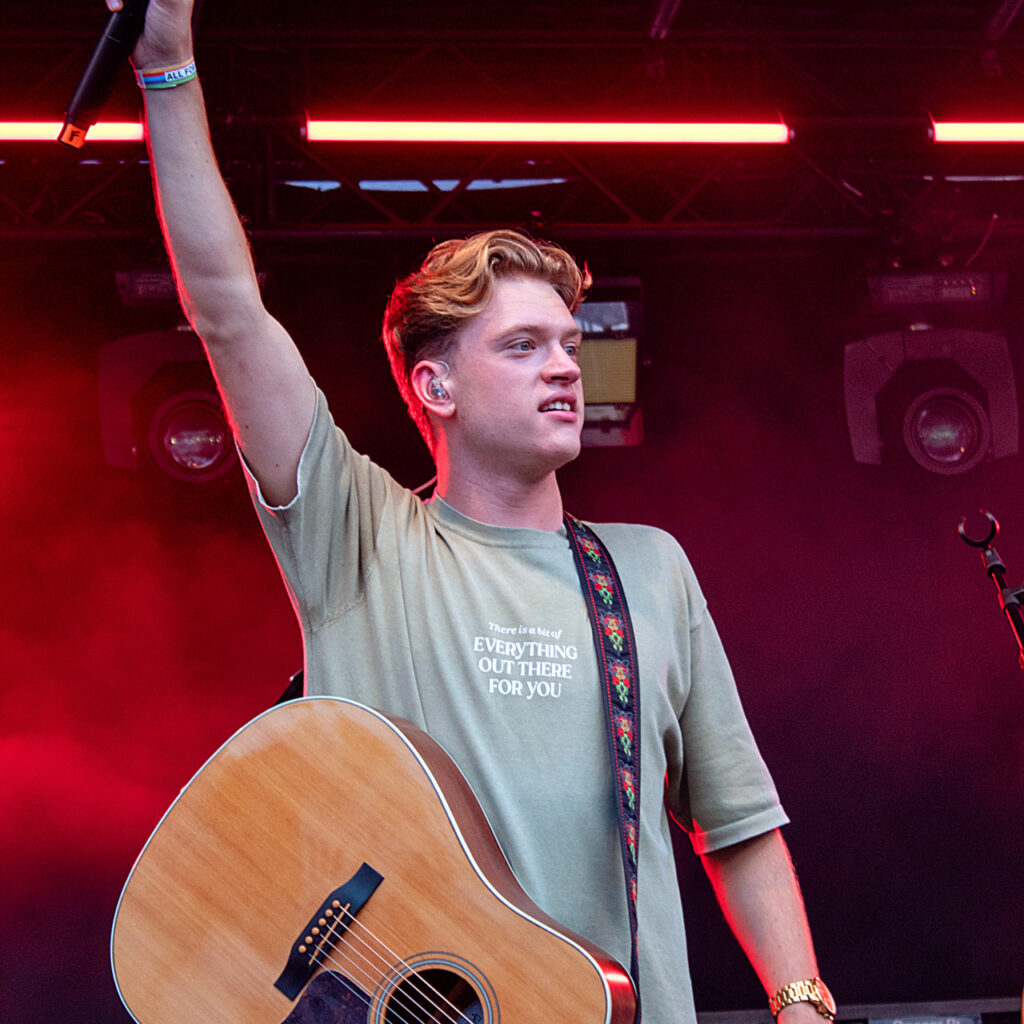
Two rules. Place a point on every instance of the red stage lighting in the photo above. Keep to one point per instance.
(978, 131)
(773, 133)
(48, 131)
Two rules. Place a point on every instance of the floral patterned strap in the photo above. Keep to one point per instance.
(616, 659)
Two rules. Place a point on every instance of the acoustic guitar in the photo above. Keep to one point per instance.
(330, 865)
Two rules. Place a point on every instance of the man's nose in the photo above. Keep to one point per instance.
(562, 366)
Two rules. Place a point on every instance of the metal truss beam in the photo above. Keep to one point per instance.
(859, 100)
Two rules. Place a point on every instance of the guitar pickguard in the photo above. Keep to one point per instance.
(330, 999)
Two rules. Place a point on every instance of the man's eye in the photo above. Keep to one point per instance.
(523, 345)
(572, 349)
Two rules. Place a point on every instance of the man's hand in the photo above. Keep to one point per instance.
(167, 36)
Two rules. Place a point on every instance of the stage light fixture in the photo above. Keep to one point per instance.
(902, 290)
(947, 395)
(771, 133)
(159, 407)
(47, 131)
(978, 131)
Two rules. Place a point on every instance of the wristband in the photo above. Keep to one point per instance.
(166, 78)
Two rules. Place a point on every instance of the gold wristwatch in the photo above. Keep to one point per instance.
(813, 991)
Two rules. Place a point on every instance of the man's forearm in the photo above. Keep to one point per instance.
(758, 891)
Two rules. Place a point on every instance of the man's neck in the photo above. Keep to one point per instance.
(504, 501)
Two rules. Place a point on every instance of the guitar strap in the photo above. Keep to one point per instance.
(617, 664)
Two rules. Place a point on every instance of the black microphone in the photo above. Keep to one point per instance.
(97, 83)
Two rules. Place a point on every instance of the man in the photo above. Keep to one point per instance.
(464, 614)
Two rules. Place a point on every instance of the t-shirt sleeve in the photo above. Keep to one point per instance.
(722, 793)
(324, 538)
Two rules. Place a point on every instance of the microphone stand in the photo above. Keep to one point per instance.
(1010, 598)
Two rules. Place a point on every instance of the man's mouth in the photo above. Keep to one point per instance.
(557, 406)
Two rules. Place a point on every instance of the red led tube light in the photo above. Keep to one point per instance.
(47, 131)
(773, 133)
(978, 131)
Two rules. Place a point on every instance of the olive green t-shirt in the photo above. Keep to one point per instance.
(480, 636)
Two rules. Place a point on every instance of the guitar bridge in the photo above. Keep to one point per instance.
(325, 928)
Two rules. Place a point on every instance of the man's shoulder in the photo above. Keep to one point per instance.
(653, 568)
(635, 533)
(649, 545)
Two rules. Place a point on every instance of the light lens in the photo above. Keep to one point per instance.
(946, 430)
(190, 439)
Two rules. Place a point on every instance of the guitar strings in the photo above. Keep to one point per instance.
(403, 999)
(440, 1003)
(400, 1000)
(348, 981)
(323, 956)
(417, 994)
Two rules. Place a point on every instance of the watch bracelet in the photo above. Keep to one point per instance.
(806, 991)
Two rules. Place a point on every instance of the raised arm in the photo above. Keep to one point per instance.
(266, 388)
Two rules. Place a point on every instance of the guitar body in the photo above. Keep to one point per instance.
(330, 865)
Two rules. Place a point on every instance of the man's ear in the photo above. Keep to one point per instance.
(429, 380)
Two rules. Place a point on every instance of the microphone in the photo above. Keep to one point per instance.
(97, 83)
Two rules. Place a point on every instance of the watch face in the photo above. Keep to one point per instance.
(826, 997)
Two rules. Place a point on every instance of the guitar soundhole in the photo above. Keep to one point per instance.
(435, 996)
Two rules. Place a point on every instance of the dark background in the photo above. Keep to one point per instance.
(145, 620)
